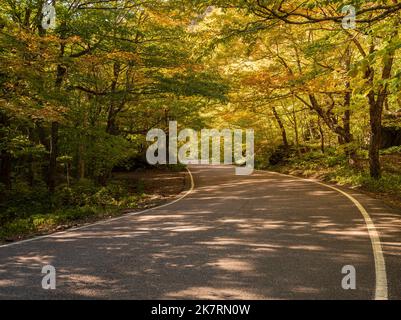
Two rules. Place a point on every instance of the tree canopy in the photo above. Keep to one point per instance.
(88, 90)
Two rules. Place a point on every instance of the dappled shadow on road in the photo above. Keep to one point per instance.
(388, 222)
(257, 237)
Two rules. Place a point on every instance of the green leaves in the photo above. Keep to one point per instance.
(194, 84)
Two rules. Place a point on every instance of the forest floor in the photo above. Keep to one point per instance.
(157, 185)
(328, 169)
(145, 188)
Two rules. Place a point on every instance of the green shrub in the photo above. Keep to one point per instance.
(388, 183)
(103, 197)
(27, 211)
(130, 202)
(391, 150)
(74, 214)
(23, 201)
(332, 161)
(314, 155)
(19, 226)
(140, 187)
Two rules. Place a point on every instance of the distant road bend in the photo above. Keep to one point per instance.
(264, 236)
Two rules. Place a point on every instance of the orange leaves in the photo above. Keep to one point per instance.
(50, 112)
(73, 40)
(266, 80)
(24, 107)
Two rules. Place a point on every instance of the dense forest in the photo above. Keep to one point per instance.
(321, 91)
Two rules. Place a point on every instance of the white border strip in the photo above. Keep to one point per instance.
(381, 292)
(187, 193)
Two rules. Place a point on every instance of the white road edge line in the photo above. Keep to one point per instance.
(381, 292)
(56, 234)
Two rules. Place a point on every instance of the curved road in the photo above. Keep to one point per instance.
(265, 236)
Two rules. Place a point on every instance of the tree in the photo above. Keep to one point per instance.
(318, 57)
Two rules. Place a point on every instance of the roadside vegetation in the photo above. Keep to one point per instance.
(28, 211)
(333, 167)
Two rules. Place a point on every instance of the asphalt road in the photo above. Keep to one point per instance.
(264, 236)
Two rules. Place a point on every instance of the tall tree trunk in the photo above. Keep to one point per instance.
(5, 157)
(31, 171)
(80, 162)
(375, 140)
(376, 106)
(61, 72)
(112, 115)
(294, 115)
(322, 142)
(348, 138)
(5, 169)
(51, 178)
(44, 140)
(282, 129)
(80, 173)
(166, 123)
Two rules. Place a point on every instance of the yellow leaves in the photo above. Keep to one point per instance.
(90, 61)
(268, 80)
(163, 19)
(123, 56)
